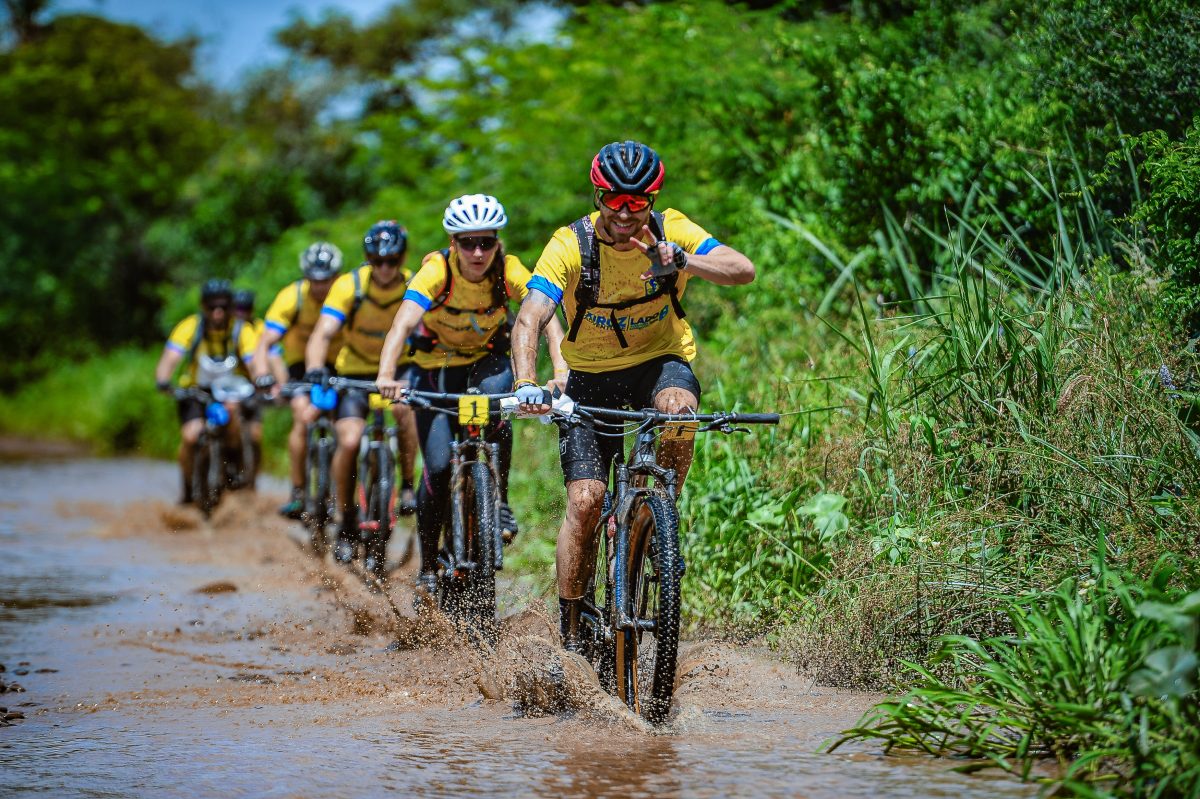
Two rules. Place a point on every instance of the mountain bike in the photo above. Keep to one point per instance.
(376, 482)
(318, 465)
(630, 621)
(215, 466)
(471, 552)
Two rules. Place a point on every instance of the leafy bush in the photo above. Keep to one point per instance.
(1100, 674)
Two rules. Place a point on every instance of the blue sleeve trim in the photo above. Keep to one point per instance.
(248, 358)
(173, 347)
(539, 283)
(278, 328)
(707, 246)
(418, 298)
(334, 312)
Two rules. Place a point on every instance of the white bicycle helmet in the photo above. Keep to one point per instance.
(473, 212)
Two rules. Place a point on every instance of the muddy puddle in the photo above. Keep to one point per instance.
(152, 654)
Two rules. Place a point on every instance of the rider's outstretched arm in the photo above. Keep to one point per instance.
(166, 366)
(554, 339)
(403, 324)
(723, 265)
(318, 343)
(261, 364)
(536, 312)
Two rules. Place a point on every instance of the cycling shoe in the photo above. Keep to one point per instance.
(406, 504)
(294, 507)
(508, 523)
(425, 592)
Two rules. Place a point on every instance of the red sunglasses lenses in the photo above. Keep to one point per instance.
(635, 202)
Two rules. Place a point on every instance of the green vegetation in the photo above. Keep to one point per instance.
(976, 233)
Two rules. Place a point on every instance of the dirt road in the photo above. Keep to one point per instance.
(162, 656)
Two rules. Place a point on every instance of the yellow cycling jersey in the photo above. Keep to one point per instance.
(238, 339)
(293, 315)
(366, 327)
(651, 329)
(465, 321)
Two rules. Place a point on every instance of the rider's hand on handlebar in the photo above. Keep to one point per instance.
(390, 387)
(533, 399)
(267, 386)
(318, 377)
(163, 386)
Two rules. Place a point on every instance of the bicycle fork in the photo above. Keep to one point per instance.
(626, 615)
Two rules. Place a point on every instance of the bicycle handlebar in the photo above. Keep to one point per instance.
(429, 398)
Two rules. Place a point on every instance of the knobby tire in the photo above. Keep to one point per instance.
(318, 491)
(483, 532)
(645, 669)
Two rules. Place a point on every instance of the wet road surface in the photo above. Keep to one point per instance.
(162, 656)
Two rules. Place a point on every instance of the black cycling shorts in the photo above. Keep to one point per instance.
(355, 404)
(296, 371)
(584, 454)
(189, 408)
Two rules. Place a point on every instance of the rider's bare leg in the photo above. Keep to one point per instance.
(675, 453)
(349, 433)
(585, 499)
(297, 443)
(189, 434)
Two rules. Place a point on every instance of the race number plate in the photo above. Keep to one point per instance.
(378, 402)
(472, 410)
(678, 431)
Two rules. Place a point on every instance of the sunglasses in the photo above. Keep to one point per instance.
(635, 202)
(391, 260)
(216, 306)
(470, 243)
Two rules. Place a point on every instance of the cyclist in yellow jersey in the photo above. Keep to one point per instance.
(213, 346)
(280, 354)
(362, 304)
(455, 322)
(620, 273)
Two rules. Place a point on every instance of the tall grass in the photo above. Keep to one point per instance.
(1100, 674)
(1016, 450)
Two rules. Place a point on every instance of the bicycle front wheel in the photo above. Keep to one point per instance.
(380, 490)
(646, 654)
(481, 531)
(201, 489)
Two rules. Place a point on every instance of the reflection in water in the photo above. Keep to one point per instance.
(631, 766)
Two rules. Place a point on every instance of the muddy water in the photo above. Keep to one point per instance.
(162, 656)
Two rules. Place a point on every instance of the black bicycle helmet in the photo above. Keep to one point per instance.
(216, 288)
(321, 261)
(628, 166)
(243, 300)
(385, 238)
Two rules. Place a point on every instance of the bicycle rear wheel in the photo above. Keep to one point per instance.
(645, 657)
(318, 494)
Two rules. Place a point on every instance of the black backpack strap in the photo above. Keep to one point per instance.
(359, 295)
(658, 227)
(299, 301)
(587, 290)
(196, 339)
